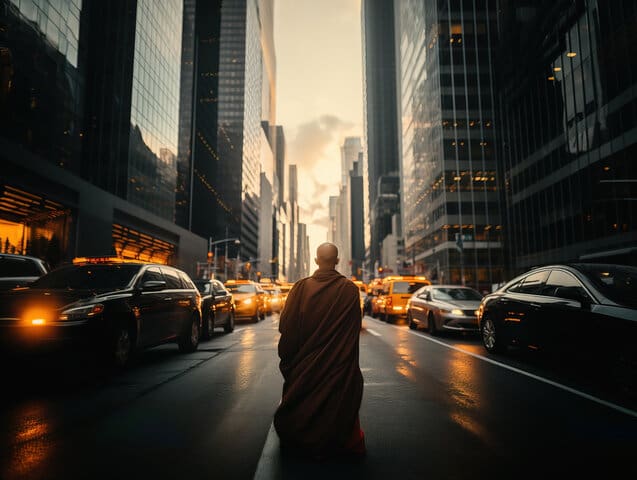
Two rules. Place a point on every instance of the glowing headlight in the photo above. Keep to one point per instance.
(247, 301)
(86, 311)
(457, 311)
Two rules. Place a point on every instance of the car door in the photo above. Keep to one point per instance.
(520, 310)
(222, 302)
(419, 305)
(567, 320)
(176, 302)
(148, 307)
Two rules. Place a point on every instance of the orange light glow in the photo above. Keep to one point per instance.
(38, 321)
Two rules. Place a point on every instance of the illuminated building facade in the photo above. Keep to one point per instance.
(450, 203)
(88, 140)
(569, 160)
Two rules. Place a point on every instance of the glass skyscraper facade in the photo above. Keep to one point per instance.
(89, 100)
(450, 199)
(569, 131)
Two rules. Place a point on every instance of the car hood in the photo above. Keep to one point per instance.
(15, 303)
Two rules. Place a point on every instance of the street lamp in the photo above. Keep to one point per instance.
(225, 258)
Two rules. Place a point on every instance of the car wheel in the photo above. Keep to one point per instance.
(257, 315)
(208, 327)
(490, 338)
(229, 326)
(262, 315)
(189, 340)
(431, 323)
(122, 347)
(410, 320)
(387, 318)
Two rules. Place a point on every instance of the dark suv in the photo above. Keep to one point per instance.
(19, 270)
(111, 307)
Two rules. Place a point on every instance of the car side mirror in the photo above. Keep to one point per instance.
(573, 294)
(153, 285)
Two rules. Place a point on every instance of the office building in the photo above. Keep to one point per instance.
(568, 131)
(450, 205)
(381, 145)
(89, 133)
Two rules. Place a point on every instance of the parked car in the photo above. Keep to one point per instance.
(217, 307)
(109, 306)
(20, 270)
(450, 308)
(249, 299)
(589, 310)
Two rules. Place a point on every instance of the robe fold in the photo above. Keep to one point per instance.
(319, 351)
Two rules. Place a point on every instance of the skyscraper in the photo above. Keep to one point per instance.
(569, 160)
(451, 221)
(381, 145)
(89, 132)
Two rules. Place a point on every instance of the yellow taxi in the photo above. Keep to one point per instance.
(249, 299)
(273, 297)
(395, 292)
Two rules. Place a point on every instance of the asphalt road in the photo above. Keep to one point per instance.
(435, 408)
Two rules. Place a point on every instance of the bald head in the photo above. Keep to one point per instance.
(326, 256)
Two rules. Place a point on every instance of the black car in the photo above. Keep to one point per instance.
(585, 309)
(109, 307)
(217, 307)
(20, 270)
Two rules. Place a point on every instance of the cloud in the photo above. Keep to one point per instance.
(312, 139)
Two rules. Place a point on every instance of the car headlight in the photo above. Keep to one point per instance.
(457, 311)
(247, 301)
(86, 311)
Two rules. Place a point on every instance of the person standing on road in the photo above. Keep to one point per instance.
(319, 349)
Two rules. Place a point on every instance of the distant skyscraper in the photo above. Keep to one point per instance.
(451, 221)
(381, 117)
(569, 160)
(357, 218)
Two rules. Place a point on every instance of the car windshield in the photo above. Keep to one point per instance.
(462, 294)
(18, 267)
(245, 288)
(88, 277)
(407, 287)
(617, 282)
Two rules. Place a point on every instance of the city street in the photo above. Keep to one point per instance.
(432, 408)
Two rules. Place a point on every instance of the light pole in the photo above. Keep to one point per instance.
(225, 258)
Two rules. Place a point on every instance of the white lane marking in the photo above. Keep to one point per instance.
(528, 374)
(266, 468)
(373, 332)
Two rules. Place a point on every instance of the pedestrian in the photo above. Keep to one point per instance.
(319, 348)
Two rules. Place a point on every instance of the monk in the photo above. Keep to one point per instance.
(319, 344)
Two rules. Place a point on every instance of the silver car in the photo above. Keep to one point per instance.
(444, 308)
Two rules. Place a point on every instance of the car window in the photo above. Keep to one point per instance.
(455, 294)
(18, 267)
(533, 283)
(242, 288)
(172, 278)
(407, 287)
(186, 281)
(152, 274)
(560, 279)
(203, 287)
(88, 277)
(218, 287)
(617, 282)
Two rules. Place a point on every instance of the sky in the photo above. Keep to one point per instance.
(319, 96)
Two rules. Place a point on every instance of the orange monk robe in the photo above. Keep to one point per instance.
(323, 385)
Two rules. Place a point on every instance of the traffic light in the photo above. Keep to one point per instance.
(210, 256)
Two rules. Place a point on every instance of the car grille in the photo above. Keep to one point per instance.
(470, 313)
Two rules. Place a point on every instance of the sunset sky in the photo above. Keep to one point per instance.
(319, 96)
